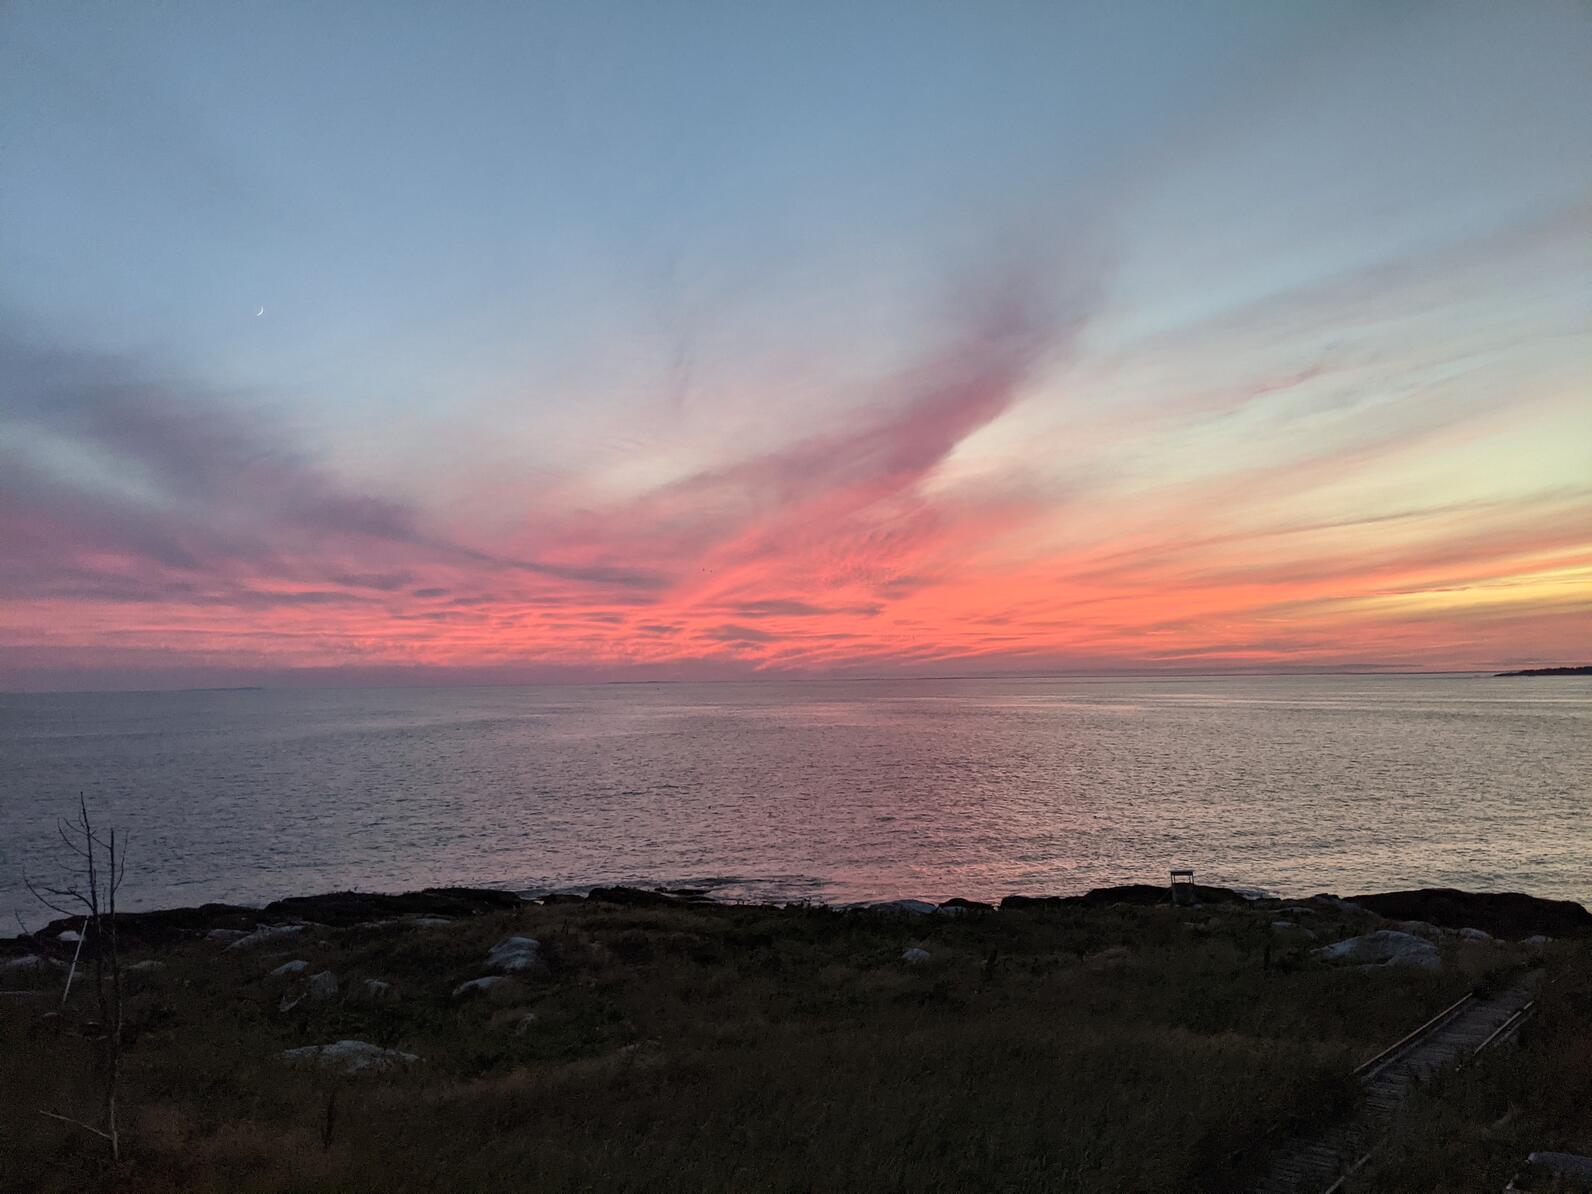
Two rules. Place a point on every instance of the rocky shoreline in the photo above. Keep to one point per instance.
(1509, 915)
(357, 1040)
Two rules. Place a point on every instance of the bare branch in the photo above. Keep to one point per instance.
(43, 894)
(61, 828)
(79, 1124)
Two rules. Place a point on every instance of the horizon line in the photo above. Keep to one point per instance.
(794, 678)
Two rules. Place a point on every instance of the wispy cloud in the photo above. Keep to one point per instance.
(142, 513)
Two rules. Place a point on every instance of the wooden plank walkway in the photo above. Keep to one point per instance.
(1319, 1164)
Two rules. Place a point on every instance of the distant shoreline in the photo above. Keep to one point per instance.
(1581, 670)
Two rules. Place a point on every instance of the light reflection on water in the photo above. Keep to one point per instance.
(835, 791)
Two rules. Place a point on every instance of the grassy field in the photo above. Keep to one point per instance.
(710, 1048)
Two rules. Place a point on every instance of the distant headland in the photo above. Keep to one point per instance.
(1583, 670)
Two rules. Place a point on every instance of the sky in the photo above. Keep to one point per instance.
(483, 342)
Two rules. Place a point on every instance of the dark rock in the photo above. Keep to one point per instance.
(634, 897)
(340, 909)
(1141, 895)
(1138, 895)
(1147, 894)
(1503, 914)
(343, 909)
(1331, 903)
(1021, 902)
(967, 905)
(144, 930)
(562, 897)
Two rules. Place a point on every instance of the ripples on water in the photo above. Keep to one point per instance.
(832, 791)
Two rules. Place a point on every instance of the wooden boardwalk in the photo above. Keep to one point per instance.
(1319, 1164)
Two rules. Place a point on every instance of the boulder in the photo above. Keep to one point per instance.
(228, 935)
(482, 986)
(29, 966)
(290, 969)
(1385, 947)
(147, 966)
(349, 1057)
(1536, 941)
(264, 934)
(1290, 929)
(373, 990)
(1556, 1171)
(429, 922)
(1503, 914)
(322, 986)
(517, 955)
(915, 955)
(1475, 935)
(910, 907)
(69, 936)
(1419, 927)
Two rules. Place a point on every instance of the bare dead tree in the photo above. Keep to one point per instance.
(91, 893)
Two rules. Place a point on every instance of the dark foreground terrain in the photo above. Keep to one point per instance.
(639, 1043)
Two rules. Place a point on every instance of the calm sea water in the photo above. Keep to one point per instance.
(828, 791)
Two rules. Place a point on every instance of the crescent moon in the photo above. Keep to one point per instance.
(259, 313)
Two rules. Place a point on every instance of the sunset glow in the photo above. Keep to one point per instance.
(971, 388)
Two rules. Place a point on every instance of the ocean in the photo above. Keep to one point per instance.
(826, 791)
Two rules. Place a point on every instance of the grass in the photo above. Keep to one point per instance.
(708, 1048)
